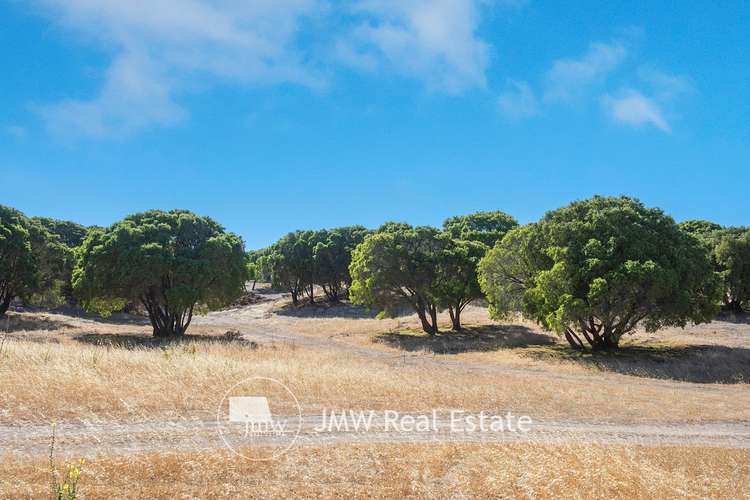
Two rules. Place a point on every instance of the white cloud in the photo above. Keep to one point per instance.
(433, 40)
(666, 85)
(570, 77)
(163, 47)
(518, 100)
(630, 107)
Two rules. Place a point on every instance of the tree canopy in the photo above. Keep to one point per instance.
(18, 265)
(598, 268)
(70, 233)
(485, 227)
(400, 265)
(171, 262)
(303, 259)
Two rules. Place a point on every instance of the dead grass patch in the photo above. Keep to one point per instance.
(409, 471)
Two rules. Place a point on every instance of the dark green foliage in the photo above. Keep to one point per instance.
(598, 268)
(484, 227)
(332, 255)
(18, 268)
(303, 259)
(292, 266)
(171, 262)
(401, 265)
(458, 284)
(730, 254)
(71, 234)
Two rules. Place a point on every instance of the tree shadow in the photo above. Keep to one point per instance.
(472, 339)
(325, 309)
(736, 318)
(117, 318)
(18, 322)
(705, 364)
(145, 341)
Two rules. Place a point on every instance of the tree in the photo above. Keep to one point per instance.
(400, 265)
(18, 267)
(458, 284)
(485, 227)
(171, 262)
(54, 266)
(700, 228)
(732, 258)
(71, 234)
(292, 265)
(62, 237)
(730, 254)
(598, 268)
(332, 256)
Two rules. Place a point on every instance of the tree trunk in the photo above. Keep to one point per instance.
(165, 323)
(455, 315)
(5, 304)
(433, 317)
(573, 339)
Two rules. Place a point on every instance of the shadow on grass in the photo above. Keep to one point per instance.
(325, 309)
(472, 339)
(737, 318)
(144, 341)
(15, 322)
(686, 363)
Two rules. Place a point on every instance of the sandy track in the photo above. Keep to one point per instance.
(105, 438)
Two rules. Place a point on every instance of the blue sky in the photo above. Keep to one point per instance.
(276, 115)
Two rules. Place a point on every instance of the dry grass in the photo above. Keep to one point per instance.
(63, 368)
(409, 471)
(66, 379)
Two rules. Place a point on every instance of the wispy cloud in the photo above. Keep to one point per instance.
(630, 107)
(433, 40)
(570, 77)
(160, 47)
(518, 100)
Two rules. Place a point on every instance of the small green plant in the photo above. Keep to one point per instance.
(65, 487)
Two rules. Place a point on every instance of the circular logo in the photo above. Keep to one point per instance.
(259, 419)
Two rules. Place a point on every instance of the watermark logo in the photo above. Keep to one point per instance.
(259, 419)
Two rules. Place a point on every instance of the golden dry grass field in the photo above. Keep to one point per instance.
(667, 416)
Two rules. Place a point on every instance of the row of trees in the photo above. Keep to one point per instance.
(425, 268)
(303, 259)
(36, 258)
(590, 271)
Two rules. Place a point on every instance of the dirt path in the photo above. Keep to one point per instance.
(104, 438)
(255, 324)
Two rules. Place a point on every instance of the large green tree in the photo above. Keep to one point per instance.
(732, 257)
(332, 255)
(18, 265)
(485, 227)
(70, 233)
(457, 281)
(292, 265)
(171, 262)
(400, 264)
(730, 254)
(596, 269)
(59, 239)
